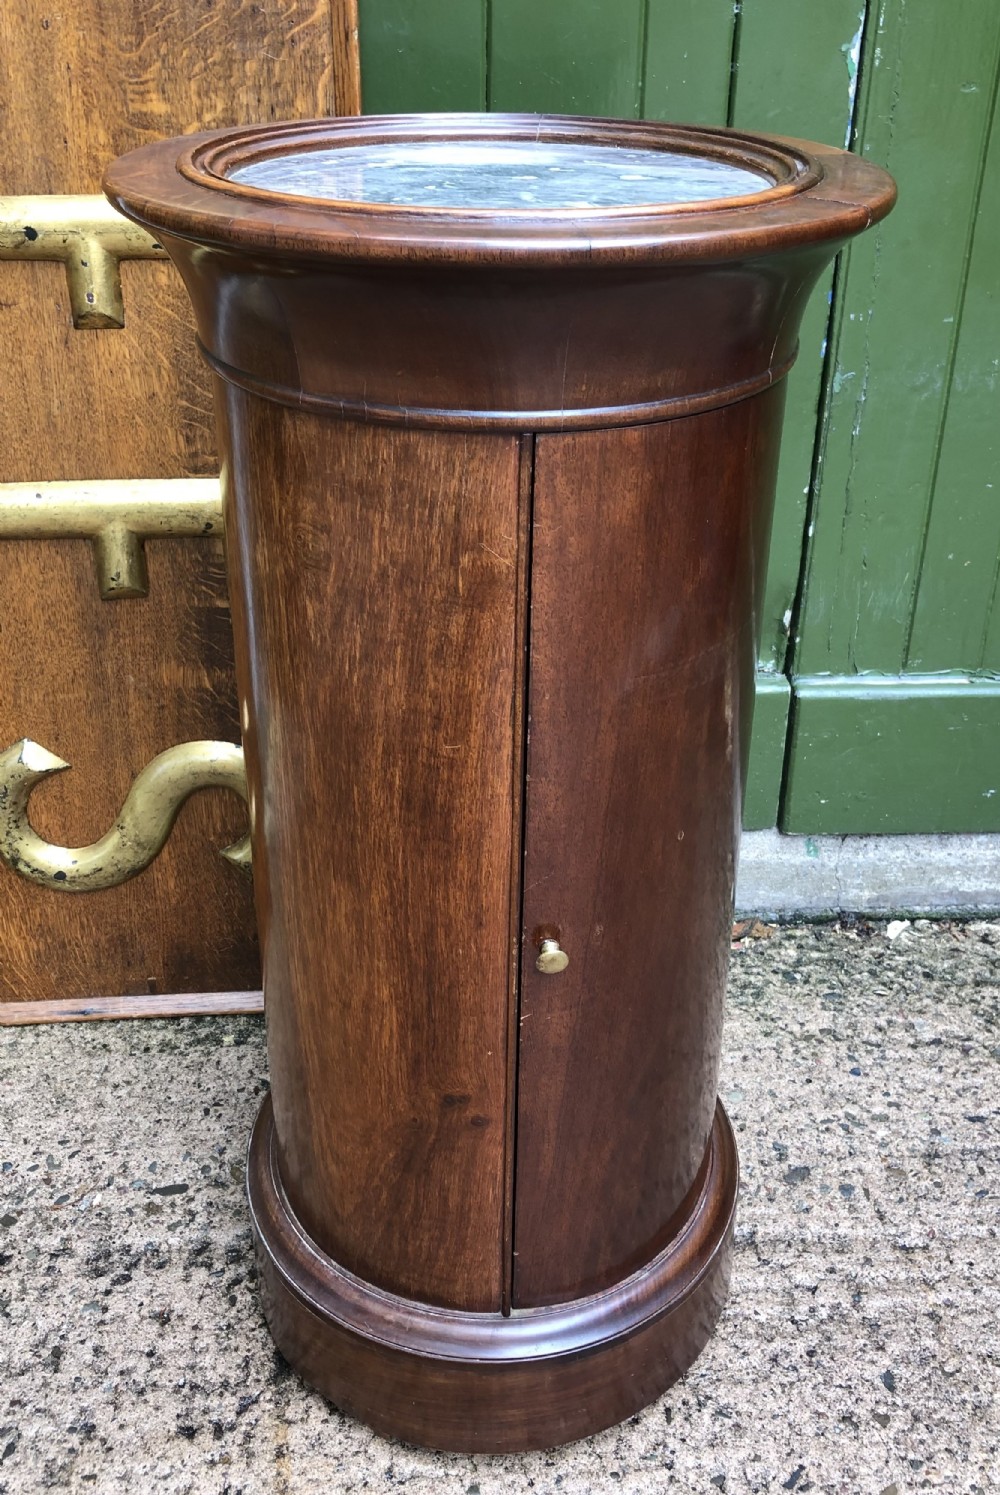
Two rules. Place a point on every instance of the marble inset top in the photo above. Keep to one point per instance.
(499, 175)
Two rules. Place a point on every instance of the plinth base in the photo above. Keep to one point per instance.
(479, 1382)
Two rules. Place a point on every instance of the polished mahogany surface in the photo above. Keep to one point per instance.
(376, 659)
(498, 487)
(820, 195)
(643, 587)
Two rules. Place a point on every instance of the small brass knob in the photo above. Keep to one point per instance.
(552, 958)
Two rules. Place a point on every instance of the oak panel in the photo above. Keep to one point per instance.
(85, 82)
(106, 686)
(110, 685)
(119, 404)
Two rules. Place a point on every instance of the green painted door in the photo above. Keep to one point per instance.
(878, 689)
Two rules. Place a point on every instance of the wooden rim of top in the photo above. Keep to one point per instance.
(810, 193)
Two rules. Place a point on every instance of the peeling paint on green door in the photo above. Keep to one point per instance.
(879, 676)
(896, 703)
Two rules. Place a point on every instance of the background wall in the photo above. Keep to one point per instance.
(108, 685)
(879, 678)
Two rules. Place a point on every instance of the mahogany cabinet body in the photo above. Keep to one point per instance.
(496, 523)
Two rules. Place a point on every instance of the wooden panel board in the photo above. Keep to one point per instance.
(991, 641)
(688, 58)
(84, 82)
(110, 685)
(958, 575)
(121, 404)
(106, 686)
(108, 1009)
(927, 112)
(346, 61)
(796, 74)
(566, 56)
(419, 55)
(797, 67)
(894, 754)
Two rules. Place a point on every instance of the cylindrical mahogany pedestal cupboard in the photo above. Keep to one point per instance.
(500, 401)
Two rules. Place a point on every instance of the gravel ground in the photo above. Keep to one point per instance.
(858, 1351)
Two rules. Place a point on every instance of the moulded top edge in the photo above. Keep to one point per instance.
(528, 187)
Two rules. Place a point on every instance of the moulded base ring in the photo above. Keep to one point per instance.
(481, 1382)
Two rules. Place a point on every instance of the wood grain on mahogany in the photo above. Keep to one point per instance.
(374, 575)
(643, 591)
(107, 686)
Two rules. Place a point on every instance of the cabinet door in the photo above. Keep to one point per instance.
(375, 582)
(647, 552)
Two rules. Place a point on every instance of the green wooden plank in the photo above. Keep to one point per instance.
(797, 69)
(905, 753)
(796, 74)
(926, 113)
(791, 504)
(958, 576)
(421, 55)
(566, 56)
(767, 752)
(689, 46)
(991, 643)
